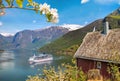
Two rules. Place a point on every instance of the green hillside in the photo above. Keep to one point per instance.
(69, 43)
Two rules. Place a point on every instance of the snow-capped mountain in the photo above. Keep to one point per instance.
(36, 38)
(72, 27)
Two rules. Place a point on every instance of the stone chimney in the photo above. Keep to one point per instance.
(106, 27)
(94, 29)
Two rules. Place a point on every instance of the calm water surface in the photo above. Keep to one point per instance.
(18, 69)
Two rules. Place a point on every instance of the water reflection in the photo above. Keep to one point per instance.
(6, 60)
(5, 56)
(7, 65)
(32, 65)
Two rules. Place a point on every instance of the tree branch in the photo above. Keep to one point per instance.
(17, 8)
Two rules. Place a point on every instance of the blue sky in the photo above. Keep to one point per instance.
(80, 12)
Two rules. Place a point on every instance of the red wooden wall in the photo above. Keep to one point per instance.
(86, 65)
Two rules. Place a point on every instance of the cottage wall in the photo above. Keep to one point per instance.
(86, 65)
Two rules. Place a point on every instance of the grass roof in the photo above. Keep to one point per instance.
(99, 46)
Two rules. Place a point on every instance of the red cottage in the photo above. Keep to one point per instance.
(98, 50)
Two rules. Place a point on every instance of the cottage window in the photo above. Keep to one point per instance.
(98, 65)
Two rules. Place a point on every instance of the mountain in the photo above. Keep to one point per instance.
(5, 41)
(33, 39)
(2, 41)
(69, 43)
(114, 19)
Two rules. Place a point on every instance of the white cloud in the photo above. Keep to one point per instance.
(1, 23)
(84, 1)
(34, 21)
(7, 34)
(86, 23)
(107, 1)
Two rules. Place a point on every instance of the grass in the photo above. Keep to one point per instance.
(115, 17)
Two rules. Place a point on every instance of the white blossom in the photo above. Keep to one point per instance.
(54, 19)
(55, 16)
(44, 8)
(54, 12)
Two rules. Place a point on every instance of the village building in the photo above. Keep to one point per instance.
(99, 49)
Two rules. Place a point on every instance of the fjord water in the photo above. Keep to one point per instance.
(14, 65)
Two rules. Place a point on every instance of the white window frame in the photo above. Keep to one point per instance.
(99, 65)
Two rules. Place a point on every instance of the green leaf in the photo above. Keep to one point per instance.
(2, 5)
(28, 5)
(40, 12)
(8, 2)
(20, 3)
(30, 1)
(48, 16)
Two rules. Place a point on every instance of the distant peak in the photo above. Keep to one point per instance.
(116, 12)
(49, 27)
